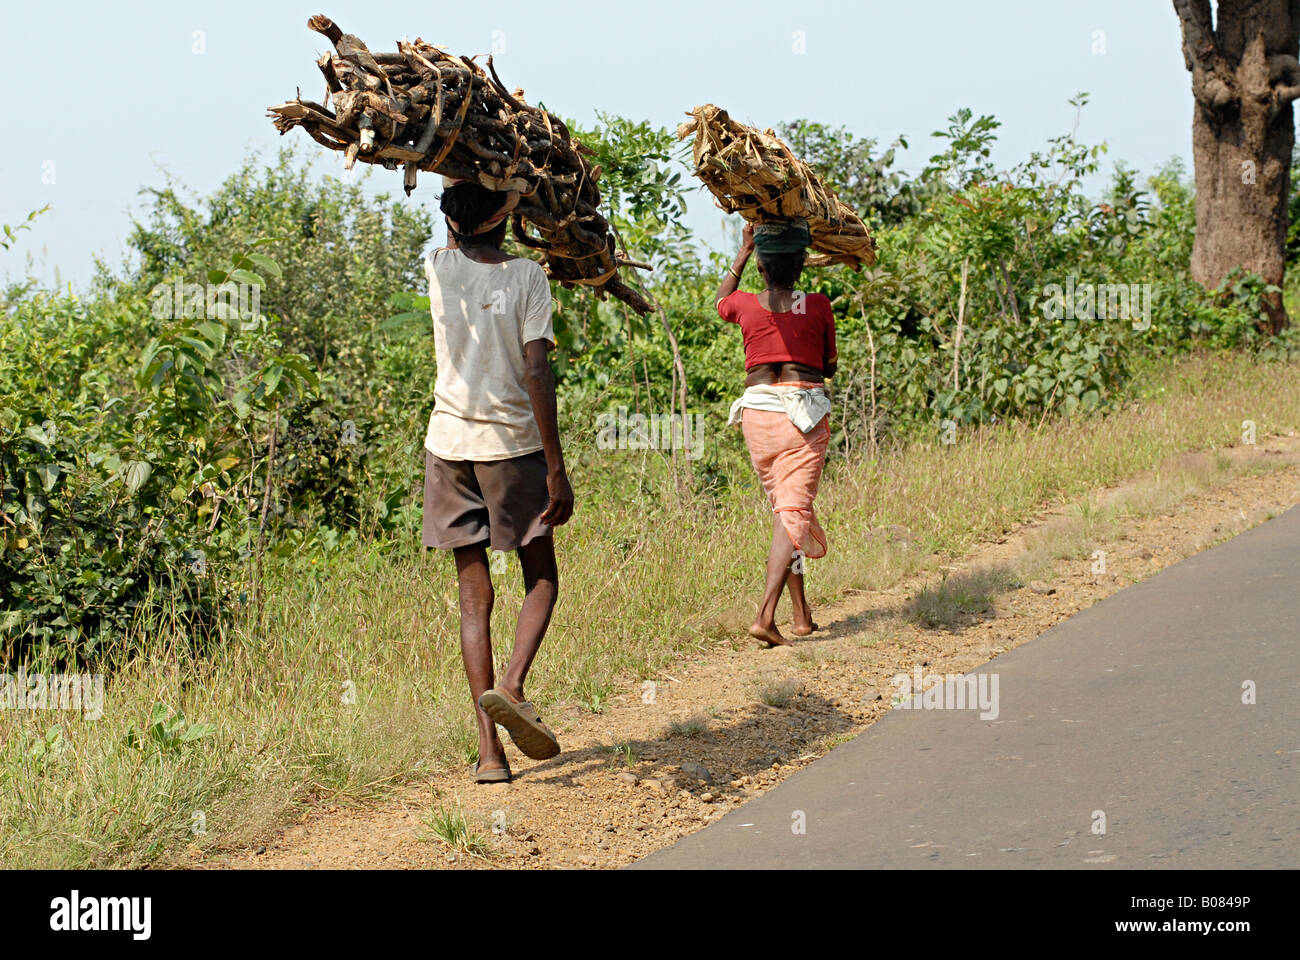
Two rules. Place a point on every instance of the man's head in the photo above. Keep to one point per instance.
(781, 249)
(476, 216)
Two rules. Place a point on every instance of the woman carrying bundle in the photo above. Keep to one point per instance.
(784, 412)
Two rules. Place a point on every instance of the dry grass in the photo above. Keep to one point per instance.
(451, 826)
(958, 597)
(779, 694)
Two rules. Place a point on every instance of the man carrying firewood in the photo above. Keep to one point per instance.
(494, 470)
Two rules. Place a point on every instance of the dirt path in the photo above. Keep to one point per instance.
(669, 756)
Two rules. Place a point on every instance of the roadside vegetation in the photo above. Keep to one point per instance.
(218, 508)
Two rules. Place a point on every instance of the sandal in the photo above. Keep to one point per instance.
(492, 774)
(523, 724)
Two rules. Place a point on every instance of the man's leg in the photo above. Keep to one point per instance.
(541, 587)
(476, 599)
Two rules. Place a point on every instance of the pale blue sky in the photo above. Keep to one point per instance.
(110, 94)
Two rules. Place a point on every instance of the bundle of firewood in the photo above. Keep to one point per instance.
(753, 173)
(425, 109)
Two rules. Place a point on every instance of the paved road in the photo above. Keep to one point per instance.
(1132, 708)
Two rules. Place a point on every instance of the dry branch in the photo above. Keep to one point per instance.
(753, 173)
(424, 109)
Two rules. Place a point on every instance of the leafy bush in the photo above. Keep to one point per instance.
(155, 449)
(127, 497)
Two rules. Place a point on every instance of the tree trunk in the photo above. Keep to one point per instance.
(1245, 75)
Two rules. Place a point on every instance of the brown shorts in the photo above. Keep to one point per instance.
(476, 501)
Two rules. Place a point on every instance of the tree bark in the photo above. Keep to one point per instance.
(1245, 75)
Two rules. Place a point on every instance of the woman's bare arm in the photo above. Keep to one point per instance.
(732, 279)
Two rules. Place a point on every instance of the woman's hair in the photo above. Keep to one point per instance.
(469, 204)
(782, 269)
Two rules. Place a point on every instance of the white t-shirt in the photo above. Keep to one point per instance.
(483, 314)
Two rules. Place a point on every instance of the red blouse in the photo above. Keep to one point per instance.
(804, 335)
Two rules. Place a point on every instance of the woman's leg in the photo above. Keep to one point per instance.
(476, 599)
(801, 613)
(541, 588)
(778, 571)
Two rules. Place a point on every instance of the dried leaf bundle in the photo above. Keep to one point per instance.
(753, 173)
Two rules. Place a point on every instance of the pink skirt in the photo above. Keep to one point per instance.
(789, 465)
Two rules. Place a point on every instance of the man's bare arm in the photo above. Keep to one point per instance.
(540, 380)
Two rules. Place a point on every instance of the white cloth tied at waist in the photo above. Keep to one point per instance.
(805, 406)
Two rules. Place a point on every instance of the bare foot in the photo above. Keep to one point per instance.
(769, 635)
(802, 630)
